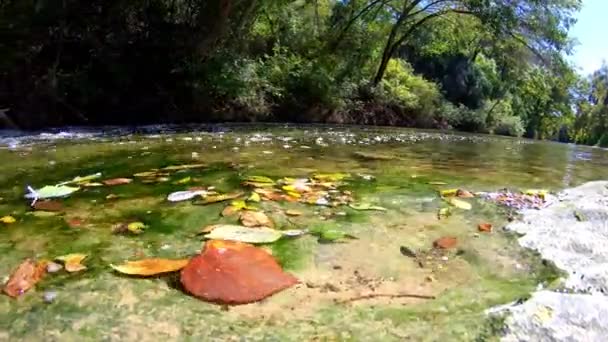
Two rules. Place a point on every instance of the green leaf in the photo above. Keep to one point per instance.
(51, 191)
(136, 227)
(244, 234)
(259, 179)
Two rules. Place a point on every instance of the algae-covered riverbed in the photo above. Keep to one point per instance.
(402, 171)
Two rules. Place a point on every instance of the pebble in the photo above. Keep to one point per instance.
(49, 296)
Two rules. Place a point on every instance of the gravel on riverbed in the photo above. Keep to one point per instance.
(573, 234)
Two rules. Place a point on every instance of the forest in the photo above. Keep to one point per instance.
(486, 66)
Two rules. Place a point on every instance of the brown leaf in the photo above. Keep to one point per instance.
(209, 229)
(24, 277)
(485, 227)
(234, 273)
(230, 210)
(150, 267)
(48, 205)
(446, 242)
(291, 212)
(117, 181)
(255, 219)
(464, 194)
(75, 222)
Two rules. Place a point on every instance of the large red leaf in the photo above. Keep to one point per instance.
(230, 272)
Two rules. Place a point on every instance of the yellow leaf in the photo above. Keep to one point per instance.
(449, 192)
(458, 203)
(255, 197)
(150, 267)
(294, 194)
(184, 180)
(330, 177)
(7, 219)
(291, 212)
(136, 227)
(73, 262)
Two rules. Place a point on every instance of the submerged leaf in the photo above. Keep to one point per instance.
(329, 234)
(150, 267)
(244, 234)
(458, 203)
(292, 212)
(448, 193)
(48, 205)
(73, 262)
(294, 232)
(179, 196)
(7, 219)
(117, 181)
(183, 167)
(485, 227)
(24, 277)
(145, 174)
(136, 227)
(330, 177)
(366, 206)
(259, 179)
(255, 197)
(184, 180)
(443, 213)
(52, 191)
(464, 194)
(255, 219)
(84, 179)
(220, 198)
(437, 183)
(445, 242)
(234, 273)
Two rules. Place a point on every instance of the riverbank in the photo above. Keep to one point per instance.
(572, 233)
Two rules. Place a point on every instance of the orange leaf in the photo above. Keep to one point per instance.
(255, 219)
(117, 181)
(445, 242)
(150, 267)
(234, 273)
(24, 277)
(464, 194)
(485, 227)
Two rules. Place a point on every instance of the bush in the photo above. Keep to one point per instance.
(510, 125)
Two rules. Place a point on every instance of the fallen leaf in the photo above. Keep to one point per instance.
(408, 252)
(136, 227)
(244, 234)
(184, 180)
(150, 267)
(73, 262)
(112, 197)
(330, 177)
(294, 232)
(329, 234)
(443, 213)
(234, 273)
(179, 196)
(183, 167)
(84, 179)
(459, 203)
(117, 181)
(255, 219)
(7, 219)
(48, 205)
(219, 198)
(437, 183)
(579, 216)
(259, 179)
(75, 222)
(40, 213)
(51, 191)
(445, 242)
(255, 197)
(448, 193)
(485, 227)
(145, 174)
(257, 184)
(291, 212)
(24, 277)
(91, 185)
(269, 194)
(365, 206)
(209, 228)
(464, 194)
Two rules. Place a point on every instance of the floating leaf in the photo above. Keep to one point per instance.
(234, 273)
(443, 213)
(52, 191)
(145, 174)
(255, 197)
(291, 212)
(184, 180)
(445, 242)
(485, 227)
(40, 213)
(117, 181)
(220, 198)
(269, 194)
(48, 206)
(294, 232)
(73, 262)
(183, 167)
(24, 277)
(330, 177)
(112, 197)
(244, 234)
(459, 203)
(437, 183)
(179, 196)
(255, 219)
(150, 267)
(366, 206)
(258, 185)
(136, 227)
(91, 185)
(448, 193)
(7, 219)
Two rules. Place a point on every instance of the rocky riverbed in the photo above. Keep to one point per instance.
(573, 234)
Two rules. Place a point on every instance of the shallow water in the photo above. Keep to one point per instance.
(484, 270)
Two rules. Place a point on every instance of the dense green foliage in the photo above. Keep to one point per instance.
(475, 65)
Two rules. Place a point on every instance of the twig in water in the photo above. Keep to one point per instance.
(389, 295)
